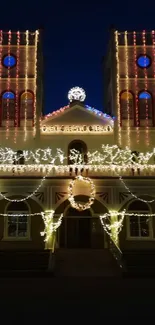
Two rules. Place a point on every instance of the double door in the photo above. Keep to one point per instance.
(75, 233)
(81, 232)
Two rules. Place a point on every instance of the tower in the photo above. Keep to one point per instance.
(20, 85)
(129, 70)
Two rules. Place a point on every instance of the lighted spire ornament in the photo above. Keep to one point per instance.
(76, 93)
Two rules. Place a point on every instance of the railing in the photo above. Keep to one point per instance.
(39, 170)
(117, 253)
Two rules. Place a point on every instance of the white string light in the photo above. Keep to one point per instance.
(110, 155)
(132, 194)
(27, 197)
(118, 90)
(114, 228)
(35, 82)
(26, 84)
(50, 225)
(20, 214)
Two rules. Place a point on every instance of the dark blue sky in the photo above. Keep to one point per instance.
(75, 39)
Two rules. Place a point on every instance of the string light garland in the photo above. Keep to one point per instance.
(146, 86)
(1, 42)
(50, 225)
(26, 84)
(127, 86)
(111, 157)
(17, 88)
(8, 87)
(115, 228)
(21, 214)
(79, 206)
(132, 194)
(89, 108)
(35, 82)
(27, 197)
(136, 85)
(118, 90)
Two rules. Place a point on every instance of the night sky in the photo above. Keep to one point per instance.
(75, 40)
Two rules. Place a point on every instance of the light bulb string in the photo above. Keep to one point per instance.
(132, 194)
(28, 196)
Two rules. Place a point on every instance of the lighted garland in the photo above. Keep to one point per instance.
(28, 196)
(83, 206)
(50, 225)
(132, 194)
(108, 156)
(112, 229)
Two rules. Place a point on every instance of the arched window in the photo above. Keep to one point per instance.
(17, 226)
(26, 104)
(8, 105)
(20, 160)
(78, 146)
(145, 105)
(139, 227)
(127, 103)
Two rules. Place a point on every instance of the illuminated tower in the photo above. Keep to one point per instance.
(20, 84)
(129, 70)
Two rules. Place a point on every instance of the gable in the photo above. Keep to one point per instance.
(76, 119)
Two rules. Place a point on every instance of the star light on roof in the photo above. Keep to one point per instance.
(76, 93)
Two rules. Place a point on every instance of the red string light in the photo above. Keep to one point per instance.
(146, 84)
(17, 88)
(8, 87)
(127, 85)
(136, 84)
(1, 41)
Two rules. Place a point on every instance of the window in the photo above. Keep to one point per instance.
(139, 227)
(26, 104)
(79, 146)
(143, 61)
(127, 103)
(145, 105)
(9, 61)
(8, 105)
(17, 226)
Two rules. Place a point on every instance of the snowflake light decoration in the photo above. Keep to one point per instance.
(76, 93)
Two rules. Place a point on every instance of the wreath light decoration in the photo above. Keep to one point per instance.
(81, 206)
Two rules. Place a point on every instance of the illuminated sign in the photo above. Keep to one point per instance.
(74, 129)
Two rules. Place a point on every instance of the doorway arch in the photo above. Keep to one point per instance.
(81, 229)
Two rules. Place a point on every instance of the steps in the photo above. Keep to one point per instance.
(24, 260)
(90, 262)
(139, 263)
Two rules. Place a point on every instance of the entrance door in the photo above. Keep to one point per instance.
(78, 232)
(75, 233)
(84, 233)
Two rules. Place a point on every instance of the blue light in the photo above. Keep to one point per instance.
(9, 61)
(97, 112)
(144, 95)
(143, 61)
(8, 95)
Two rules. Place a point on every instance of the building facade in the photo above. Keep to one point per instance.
(42, 154)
